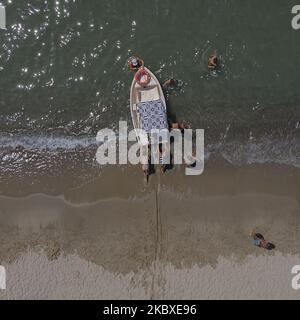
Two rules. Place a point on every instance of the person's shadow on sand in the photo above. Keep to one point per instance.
(270, 246)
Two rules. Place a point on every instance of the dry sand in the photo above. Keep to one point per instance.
(180, 237)
(33, 276)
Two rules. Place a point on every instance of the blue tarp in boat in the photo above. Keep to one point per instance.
(152, 115)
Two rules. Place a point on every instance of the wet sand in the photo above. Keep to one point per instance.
(179, 237)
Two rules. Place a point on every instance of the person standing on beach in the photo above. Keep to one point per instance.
(145, 168)
(145, 158)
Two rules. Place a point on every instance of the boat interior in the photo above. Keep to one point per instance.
(140, 94)
(145, 94)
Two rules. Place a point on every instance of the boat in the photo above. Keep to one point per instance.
(148, 105)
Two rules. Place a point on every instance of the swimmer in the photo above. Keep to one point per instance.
(170, 83)
(213, 62)
(135, 63)
(179, 126)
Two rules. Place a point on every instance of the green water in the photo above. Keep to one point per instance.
(66, 62)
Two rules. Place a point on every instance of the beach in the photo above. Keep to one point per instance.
(178, 238)
(71, 228)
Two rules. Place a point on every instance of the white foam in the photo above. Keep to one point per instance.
(284, 152)
(43, 142)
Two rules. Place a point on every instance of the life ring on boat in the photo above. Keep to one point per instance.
(143, 77)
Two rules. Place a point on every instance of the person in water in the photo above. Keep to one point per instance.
(171, 83)
(213, 62)
(258, 240)
(179, 126)
(135, 63)
(191, 160)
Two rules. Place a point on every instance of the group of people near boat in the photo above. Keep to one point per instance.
(137, 65)
(163, 163)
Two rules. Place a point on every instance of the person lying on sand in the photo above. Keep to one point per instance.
(213, 62)
(258, 240)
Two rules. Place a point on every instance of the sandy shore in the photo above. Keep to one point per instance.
(180, 237)
(33, 276)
